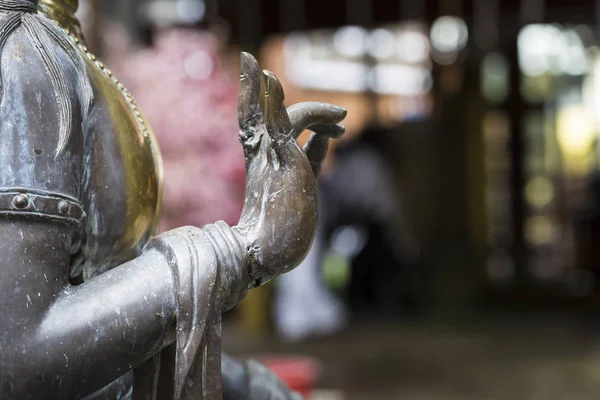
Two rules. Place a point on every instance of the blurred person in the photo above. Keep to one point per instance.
(359, 210)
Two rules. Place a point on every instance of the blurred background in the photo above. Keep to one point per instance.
(458, 253)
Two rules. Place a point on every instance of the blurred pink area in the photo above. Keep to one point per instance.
(190, 100)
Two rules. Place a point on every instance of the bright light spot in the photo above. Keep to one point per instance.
(402, 80)
(535, 43)
(198, 65)
(348, 241)
(381, 43)
(297, 42)
(191, 11)
(413, 47)
(164, 12)
(573, 57)
(449, 34)
(495, 71)
(548, 48)
(539, 230)
(310, 63)
(309, 66)
(539, 192)
(350, 41)
(575, 130)
(327, 75)
(591, 89)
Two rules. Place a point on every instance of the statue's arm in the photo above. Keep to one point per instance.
(64, 341)
(61, 341)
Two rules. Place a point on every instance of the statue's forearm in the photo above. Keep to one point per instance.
(89, 335)
(118, 319)
(77, 339)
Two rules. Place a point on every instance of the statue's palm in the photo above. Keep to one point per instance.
(280, 208)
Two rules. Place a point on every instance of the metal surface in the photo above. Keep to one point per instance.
(80, 192)
(63, 12)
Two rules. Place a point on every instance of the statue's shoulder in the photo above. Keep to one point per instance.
(44, 96)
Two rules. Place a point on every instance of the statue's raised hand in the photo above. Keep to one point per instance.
(279, 217)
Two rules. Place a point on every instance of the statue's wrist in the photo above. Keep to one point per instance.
(232, 257)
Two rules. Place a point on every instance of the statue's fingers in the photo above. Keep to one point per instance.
(317, 145)
(304, 115)
(332, 131)
(250, 113)
(316, 151)
(276, 117)
(249, 110)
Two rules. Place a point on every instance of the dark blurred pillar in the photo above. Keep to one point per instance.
(293, 15)
(486, 19)
(486, 36)
(359, 12)
(531, 11)
(250, 23)
(456, 285)
(597, 12)
(412, 10)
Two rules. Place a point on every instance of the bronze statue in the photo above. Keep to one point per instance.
(92, 303)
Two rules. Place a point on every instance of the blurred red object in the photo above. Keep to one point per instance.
(300, 373)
